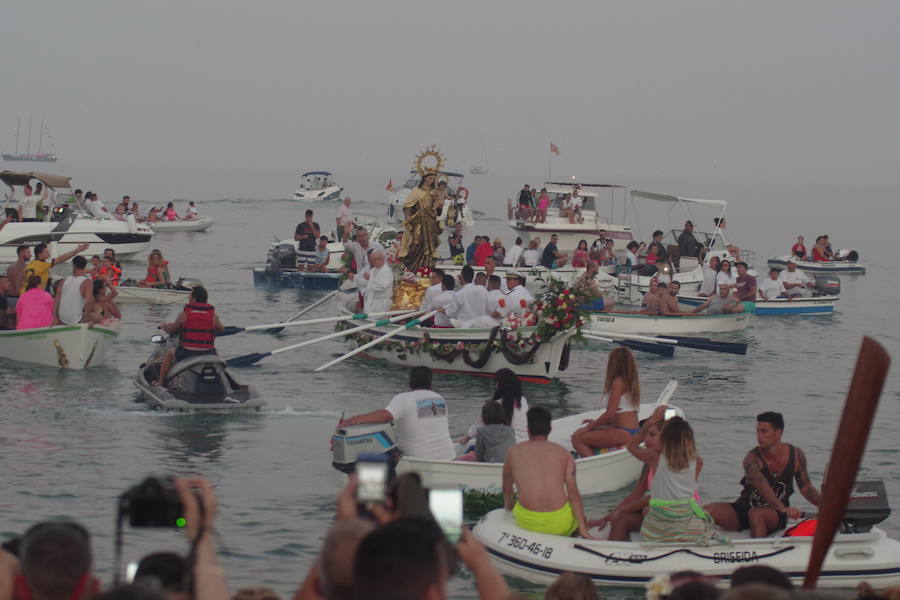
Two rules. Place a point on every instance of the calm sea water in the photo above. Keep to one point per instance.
(70, 442)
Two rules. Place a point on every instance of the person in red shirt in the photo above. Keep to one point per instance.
(745, 288)
(483, 250)
(798, 250)
(820, 252)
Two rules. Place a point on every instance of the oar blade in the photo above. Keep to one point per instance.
(274, 330)
(230, 330)
(869, 376)
(247, 359)
(711, 345)
(665, 350)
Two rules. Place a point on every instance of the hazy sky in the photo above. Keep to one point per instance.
(241, 91)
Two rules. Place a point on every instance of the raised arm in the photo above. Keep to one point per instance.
(646, 455)
(804, 483)
(64, 257)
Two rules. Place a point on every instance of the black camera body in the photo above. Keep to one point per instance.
(153, 503)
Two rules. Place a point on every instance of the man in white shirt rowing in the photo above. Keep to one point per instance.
(771, 287)
(471, 299)
(796, 282)
(517, 296)
(420, 418)
(446, 298)
(436, 287)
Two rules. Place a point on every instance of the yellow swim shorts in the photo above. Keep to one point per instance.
(557, 522)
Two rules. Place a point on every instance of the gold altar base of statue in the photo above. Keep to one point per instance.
(408, 295)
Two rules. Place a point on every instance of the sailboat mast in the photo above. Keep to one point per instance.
(18, 124)
(41, 136)
(29, 135)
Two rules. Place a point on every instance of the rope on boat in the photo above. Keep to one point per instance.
(679, 550)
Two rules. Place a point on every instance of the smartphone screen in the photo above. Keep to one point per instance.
(372, 477)
(446, 506)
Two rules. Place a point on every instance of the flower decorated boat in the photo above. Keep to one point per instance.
(65, 346)
(604, 472)
(535, 345)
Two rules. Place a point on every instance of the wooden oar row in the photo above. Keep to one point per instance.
(665, 345)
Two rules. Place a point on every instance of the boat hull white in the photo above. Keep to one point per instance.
(127, 238)
(605, 323)
(596, 474)
(68, 347)
(540, 558)
(818, 268)
(817, 305)
(406, 350)
(327, 194)
(135, 295)
(199, 224)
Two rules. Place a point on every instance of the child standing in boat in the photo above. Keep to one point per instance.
(674, 515)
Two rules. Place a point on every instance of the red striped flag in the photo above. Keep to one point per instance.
(390, 185)
(554, 148)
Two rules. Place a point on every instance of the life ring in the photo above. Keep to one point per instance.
(462, 192)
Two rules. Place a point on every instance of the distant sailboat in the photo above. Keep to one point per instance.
(39, 156)
(481, 169)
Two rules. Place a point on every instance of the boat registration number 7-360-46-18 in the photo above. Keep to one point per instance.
(521, 543)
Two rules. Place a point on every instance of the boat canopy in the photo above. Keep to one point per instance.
(325, 173)
(670, 198)
(12, 178)
(569, 184)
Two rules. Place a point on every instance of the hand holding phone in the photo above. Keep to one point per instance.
(372, 476)
(446, 505)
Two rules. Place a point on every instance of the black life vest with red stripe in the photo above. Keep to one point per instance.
(198, 331)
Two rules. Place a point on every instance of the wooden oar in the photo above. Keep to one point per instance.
(846, 454)
(326, 297)
(667, 350)
(231, 330)
(378, 340)
(687, 342)
(252, 359)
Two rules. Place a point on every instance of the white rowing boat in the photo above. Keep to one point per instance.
(613, 322)
(198, 224)
(128, 294)
(597, 474)
(471, 351)
(815, 305)
(66, 346)
(540, 558)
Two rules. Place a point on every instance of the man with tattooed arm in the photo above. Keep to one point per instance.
(770, 471)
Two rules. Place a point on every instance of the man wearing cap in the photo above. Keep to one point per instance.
(517, 294)
(796, 282)
(771, 287)
(306, 234)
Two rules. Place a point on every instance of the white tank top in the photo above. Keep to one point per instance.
(673, 485)
(624, 403)
(71, 302)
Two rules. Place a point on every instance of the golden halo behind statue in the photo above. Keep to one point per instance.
(431, 152)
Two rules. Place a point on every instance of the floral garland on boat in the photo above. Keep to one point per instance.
(518, 337)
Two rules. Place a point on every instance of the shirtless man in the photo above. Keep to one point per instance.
(668, 301)
(651, 299)
(543, 472)
(769, 472)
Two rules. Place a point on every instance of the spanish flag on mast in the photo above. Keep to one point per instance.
(554, 148)
(390, 186)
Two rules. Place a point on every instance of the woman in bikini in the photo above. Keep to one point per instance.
(622, 393)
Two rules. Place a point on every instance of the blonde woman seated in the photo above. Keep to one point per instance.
(619, 422)
(157, 272)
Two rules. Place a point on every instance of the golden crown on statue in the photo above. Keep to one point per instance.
(431, 154)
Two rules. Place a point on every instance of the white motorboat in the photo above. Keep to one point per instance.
(471, 351)
(65, 346)
(201, 223)
(457, 208)
(592, 220)
(686, 270)
(68, 224)
(317, 186)
(867, 554)
(848, 266)
(616, 322)
(128, 294)
(597, 474)
(815, 305)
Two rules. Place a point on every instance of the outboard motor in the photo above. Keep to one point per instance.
(286, 255)
(59, 213)
(868, 506)
(187, 283)
(830, 285)
(348, 443)
(852, 256)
